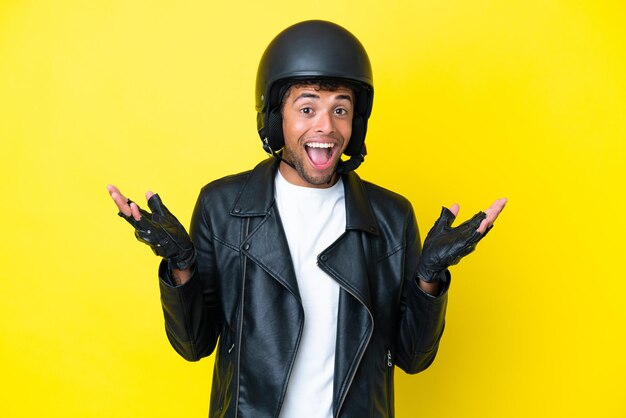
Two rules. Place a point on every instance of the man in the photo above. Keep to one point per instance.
(311, 280)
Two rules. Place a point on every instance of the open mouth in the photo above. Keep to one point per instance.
(320, 153)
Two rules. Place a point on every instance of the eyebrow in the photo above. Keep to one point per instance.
(307, 95)
(345, 97)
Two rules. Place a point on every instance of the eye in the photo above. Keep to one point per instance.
(341, 111)
(306, 110)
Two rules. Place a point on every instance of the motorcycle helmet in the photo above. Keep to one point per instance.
(318, 50)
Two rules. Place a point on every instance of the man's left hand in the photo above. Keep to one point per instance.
(445, 245)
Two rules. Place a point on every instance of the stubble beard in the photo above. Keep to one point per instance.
(299, 165)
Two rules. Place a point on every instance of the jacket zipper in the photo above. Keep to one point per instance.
(240, 331)
(389, 360)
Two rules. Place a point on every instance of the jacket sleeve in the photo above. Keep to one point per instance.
(422, 316)
(191, 310)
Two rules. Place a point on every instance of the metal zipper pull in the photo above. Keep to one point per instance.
(389, 362)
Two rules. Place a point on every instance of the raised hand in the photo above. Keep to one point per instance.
(159, 229)
(445, 245)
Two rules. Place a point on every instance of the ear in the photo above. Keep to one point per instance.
(359, 126)
(274, 129)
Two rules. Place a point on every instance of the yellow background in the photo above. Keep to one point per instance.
(475, 100)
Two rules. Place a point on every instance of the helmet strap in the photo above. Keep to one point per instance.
(270, 151)
(353, 163)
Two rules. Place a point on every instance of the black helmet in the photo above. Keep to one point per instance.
(314, 49)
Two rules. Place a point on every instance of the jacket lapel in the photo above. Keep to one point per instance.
(346, 258)
(256, 199)
(265, 244)
(347, 261)
(267, 247)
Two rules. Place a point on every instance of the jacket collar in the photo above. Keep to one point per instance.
(257, 197)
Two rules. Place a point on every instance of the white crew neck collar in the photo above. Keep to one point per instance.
(303, 190)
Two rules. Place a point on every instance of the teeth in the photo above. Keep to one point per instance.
(320, 145)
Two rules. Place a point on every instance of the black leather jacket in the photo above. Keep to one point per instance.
(244, 294)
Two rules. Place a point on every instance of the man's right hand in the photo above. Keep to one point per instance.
(160, 230)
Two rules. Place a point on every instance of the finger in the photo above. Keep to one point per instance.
(492, 214)
(156, 205)
(474, 222)
(149, 194)
(455, 209)
(119, 199)
(494, 210)
(483, 225)
(134, 209)
(111, 188)
(445, 219)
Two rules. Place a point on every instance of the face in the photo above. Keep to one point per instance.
(317, 125)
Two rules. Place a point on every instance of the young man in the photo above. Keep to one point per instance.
(311, 282)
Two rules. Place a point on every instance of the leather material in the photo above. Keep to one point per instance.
(163, 233)
(244, 297)
(444, 245)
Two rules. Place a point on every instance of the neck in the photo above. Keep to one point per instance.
(293, 176)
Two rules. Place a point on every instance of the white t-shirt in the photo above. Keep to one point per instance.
(312, 219)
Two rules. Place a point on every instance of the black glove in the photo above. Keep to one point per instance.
(163, 233)
(444, 245)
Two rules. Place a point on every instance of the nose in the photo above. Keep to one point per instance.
(324, 123)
